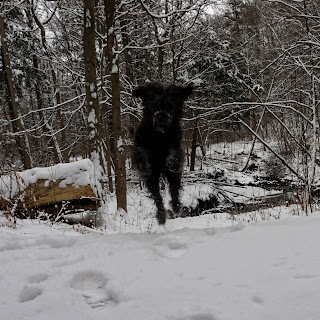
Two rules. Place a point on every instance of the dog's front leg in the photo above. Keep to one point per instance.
(174, 164)
(141, 160)
(174, 180)
(152, 184)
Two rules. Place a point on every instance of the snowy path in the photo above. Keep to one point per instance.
(268, 270)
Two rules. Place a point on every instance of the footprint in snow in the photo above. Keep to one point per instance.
(280, 261)
(304, 276)
(95, 288)
(31, 290)
(169, 247)
(198, 316)
(42, 242)
(202, 316)
(29, 293)
(38, 278)
(258, 300)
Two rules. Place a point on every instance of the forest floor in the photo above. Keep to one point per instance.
(185, 271)
(260, 264)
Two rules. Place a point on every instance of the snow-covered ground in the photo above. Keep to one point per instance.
(191, 270)
(252, 266)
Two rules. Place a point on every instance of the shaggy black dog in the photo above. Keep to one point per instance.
(157, 147)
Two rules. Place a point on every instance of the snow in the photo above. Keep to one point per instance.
(93, 91)
(120, 144)
(111, 31)
(267, 270)
(17, 72)
(114, 68)
(92, 119)
(257, 265)
(88, 19)
(94, 95)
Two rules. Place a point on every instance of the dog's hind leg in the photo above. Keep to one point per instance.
(152, 184)
(174, 180)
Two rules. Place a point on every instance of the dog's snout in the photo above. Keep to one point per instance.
(161, 120)
(162, 116)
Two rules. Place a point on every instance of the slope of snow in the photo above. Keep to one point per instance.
(267, 270)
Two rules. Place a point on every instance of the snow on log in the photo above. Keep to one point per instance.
(49, 187)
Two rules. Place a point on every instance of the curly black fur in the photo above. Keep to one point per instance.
(157, 147)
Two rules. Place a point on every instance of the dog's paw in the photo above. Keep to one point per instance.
(162, 217)
(172, 215)
(183, 212)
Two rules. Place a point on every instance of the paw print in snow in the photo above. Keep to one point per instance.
(95, 288)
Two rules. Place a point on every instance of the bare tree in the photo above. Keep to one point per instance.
(60, 151)
(118, 139)
(13, 102)
(92, 103)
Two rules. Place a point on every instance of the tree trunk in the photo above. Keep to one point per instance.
(105, 131)
(113, 69)
(314, 106)
(194, 145)
(63, 141)
(47, 129)
(160, 62)
(92, 104)
(61, 154)
(14, 108)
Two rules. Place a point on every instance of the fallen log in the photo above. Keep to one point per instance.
(60, 189)
(43, 193)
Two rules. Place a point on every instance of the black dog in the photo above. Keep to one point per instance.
(157, 147)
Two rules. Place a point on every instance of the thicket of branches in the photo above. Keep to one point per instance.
(68, 68)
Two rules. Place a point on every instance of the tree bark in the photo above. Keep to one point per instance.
(63, 140)
(61, 154)
(105, 131)
(113, 69)
(92, 104)
(194, 145)
(14, 108)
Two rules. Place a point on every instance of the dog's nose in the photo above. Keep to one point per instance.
(162, 116)
(161, 121)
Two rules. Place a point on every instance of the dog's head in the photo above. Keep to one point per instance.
(162, 105)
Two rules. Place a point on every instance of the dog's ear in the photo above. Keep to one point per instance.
(149, 91)
(180, 92)
(187, 91)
